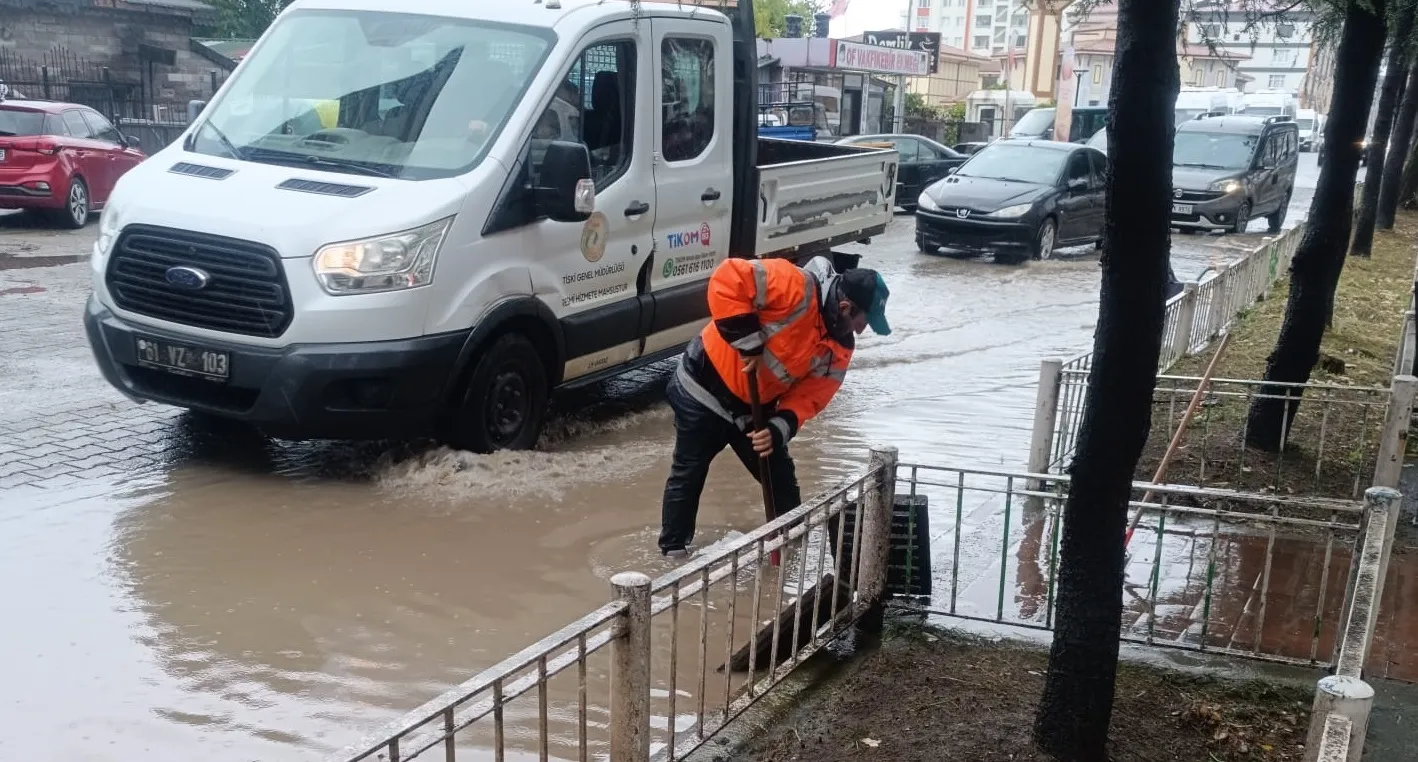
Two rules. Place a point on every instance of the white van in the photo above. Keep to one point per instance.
(1309, 123)
(515, 197)
(1269, 103)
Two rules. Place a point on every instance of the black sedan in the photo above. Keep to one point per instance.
(923, 161)
(1017, 199)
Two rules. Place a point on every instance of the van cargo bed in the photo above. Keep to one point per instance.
(813, 196)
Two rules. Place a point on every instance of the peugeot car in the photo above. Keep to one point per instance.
(1017, 199)
(1227, 170)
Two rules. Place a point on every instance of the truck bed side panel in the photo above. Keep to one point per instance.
(813, 196)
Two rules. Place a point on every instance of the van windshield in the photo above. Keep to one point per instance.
(1035, 122)
(1213, 150)
(1305, 124)
(374, 93)
(1262, 110)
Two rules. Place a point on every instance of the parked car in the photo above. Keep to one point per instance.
(60, 159)
(1228, 169)
(923, 161)
(1017, 199)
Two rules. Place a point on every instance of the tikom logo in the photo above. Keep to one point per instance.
(698, 237)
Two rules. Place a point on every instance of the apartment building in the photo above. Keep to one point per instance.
(1274, 53)
(983, 27)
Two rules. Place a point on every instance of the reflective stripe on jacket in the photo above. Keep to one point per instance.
(771, 309)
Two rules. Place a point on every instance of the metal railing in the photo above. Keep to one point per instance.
(663, 667)
(1195, 317)
(1255, 575)
(1339, 718)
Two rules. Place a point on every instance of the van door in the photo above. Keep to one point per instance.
(1266, 189)
(693, 176)
(589, 275)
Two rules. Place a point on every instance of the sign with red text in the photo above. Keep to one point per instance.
(879, 60)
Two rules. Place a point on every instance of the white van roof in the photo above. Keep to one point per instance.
(569, 16)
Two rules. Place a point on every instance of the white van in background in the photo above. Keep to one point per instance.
(1195, 101)
(1309, 123)
(1269, 103)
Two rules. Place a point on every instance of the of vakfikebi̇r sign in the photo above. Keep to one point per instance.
(925, 42)
(854, 56)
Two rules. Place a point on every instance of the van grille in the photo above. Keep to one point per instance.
(246, 293)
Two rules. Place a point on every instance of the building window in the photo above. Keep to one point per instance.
(1284, 30)
(959, 21)
(1097, 74)
(1210, 31)
(923, 3)
(1283, 56)
(1199, 78)
(982, 20)
(1277, 82)
(687, 84)
(982, 41)
(1221, 79)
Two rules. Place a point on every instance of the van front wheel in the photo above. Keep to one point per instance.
(505, 402)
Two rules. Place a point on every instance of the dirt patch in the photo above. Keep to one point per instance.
(938, 697)
(1332, 445)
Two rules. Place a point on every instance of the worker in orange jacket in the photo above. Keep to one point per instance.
(797, 327)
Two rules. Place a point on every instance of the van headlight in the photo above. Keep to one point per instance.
(391, 262)
(1226, 186)
(108, 229)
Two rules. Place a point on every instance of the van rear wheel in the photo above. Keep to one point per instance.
(505, 402)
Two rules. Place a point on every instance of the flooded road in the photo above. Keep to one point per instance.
(187, 592)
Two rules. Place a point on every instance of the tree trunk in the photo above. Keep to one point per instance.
(1402, 139)
(1077, 704)
(1394, 75)
(1408, 188)
(1314, 273)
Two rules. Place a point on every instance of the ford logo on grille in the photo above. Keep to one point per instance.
(187, 278)
(962, 212)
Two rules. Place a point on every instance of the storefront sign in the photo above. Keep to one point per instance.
(926, 42)
(878, 60)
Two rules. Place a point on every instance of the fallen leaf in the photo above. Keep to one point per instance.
(872, 742)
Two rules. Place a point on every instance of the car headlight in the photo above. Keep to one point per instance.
(1226, 186)
(1010, 212)
(386, 263)
(927, 203)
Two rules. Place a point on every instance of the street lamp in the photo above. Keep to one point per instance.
(1078, 87)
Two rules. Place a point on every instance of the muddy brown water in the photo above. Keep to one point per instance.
(235, 599)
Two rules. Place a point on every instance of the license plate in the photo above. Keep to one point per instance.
(1181, 208)
(184, 360)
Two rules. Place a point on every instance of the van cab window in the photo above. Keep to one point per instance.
(592, 106)
(374, 93)
(687, 79)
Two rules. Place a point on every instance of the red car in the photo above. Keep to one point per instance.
(60, 159)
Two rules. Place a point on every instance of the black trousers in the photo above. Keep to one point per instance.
(700, 435)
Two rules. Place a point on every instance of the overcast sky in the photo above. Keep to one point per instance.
(864, 15)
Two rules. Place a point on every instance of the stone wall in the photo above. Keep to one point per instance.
(77, 45)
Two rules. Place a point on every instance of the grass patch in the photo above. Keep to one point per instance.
(1334, 440)
(937, 697)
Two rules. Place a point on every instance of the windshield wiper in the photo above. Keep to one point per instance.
(230, 147)
(288, 157)
(1200, 165)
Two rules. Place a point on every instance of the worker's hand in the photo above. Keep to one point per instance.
(750, 363)
(762, 442)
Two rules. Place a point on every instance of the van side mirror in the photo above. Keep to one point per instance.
(1078, 184)
(565, 191)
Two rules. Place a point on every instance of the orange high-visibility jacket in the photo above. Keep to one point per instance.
(772, 309)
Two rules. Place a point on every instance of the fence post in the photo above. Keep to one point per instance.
(1393, 441)
(1347, 697)
(630, 671)
(1409, 346)
(1046, 416)
(877, 506)
(44, 83)
(1186, 319)
(1364, 589)
(1220, 296)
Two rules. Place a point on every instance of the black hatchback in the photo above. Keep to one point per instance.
(923, 161)
(1017, 199)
